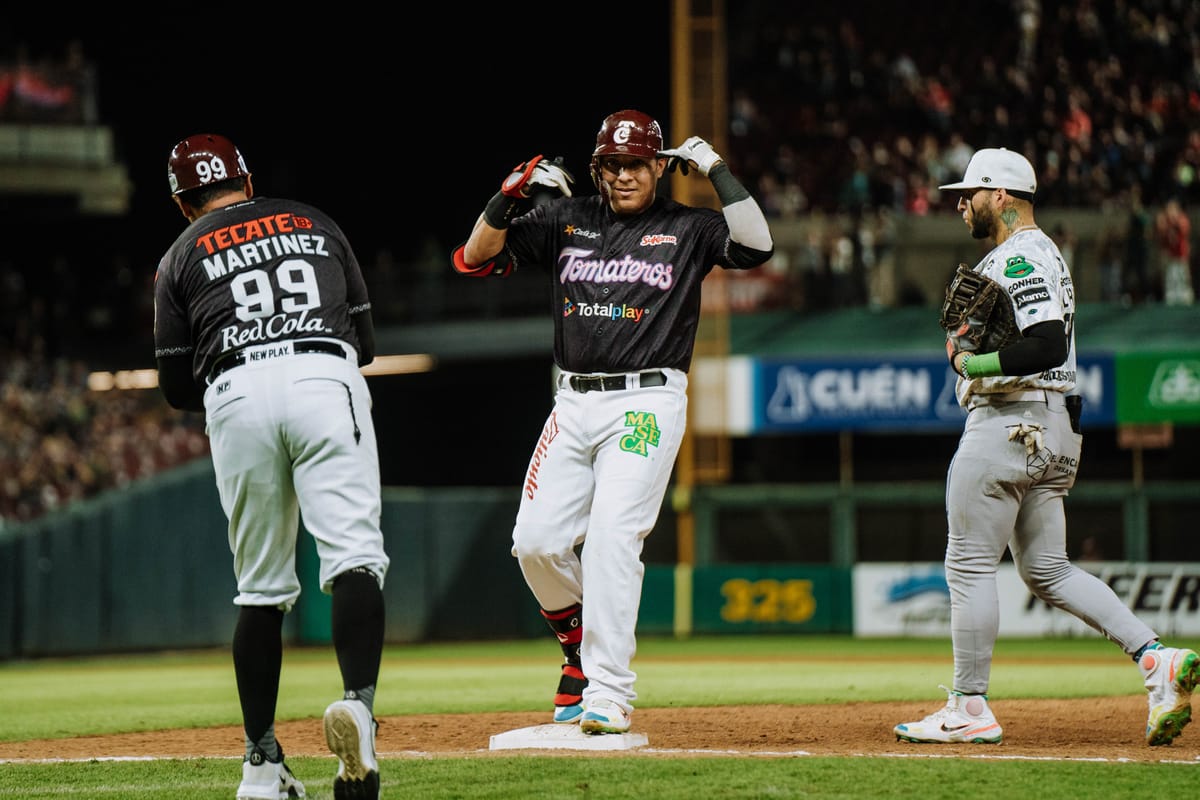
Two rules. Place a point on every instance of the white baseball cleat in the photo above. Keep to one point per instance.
(604, 716)
(263, 779)
(1171, 675)
(965, 719)
(350, 734)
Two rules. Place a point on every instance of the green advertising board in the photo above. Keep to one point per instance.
(747, 598)
(1161, 386)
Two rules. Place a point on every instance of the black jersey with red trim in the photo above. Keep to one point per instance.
(255, 272)
(626, 288)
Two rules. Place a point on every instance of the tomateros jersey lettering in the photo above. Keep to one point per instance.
(580, 265)
(629, 285)
(261, 271)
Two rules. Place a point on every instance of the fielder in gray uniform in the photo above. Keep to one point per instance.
(1015, 462)
(626, 268)
(261, 321)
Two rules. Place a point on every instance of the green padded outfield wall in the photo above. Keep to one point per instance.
(148, 568)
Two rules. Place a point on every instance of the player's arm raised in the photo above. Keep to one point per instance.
(477, 256)
(749, 233)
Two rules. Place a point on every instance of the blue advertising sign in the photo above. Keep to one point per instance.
(895, 394)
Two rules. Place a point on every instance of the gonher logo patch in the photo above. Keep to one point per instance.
(645, 433)
(1017, 267)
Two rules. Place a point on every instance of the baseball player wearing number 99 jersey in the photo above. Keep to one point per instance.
(261, 321)
(1015, 462)
(626, 270)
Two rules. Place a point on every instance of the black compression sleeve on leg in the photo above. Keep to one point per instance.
(257, 660)
(357, 627)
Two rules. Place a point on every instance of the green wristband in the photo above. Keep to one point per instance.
(982, 366)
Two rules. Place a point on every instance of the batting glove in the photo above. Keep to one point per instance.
(538, 172)
(531, 183)
(695, 153)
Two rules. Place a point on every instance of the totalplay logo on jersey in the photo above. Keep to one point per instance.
(604, 310)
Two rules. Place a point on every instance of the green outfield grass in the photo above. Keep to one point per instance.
(71, 697)
(632, 778)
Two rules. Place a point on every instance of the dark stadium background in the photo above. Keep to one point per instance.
(397, 126)
(401, 127)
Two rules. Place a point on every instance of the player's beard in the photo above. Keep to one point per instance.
(983, 223)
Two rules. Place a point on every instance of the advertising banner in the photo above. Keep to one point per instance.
(898, 599)
(1159, 387)
(894, 394)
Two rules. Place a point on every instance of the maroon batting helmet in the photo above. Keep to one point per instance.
(203, 159)
(626, 133)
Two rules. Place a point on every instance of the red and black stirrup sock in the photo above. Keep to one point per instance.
(567, 624)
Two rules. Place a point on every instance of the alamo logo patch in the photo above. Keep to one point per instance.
(1017, 267)
(1030, 296)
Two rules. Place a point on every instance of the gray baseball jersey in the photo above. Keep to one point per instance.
(1030, 268)
(1002, 493)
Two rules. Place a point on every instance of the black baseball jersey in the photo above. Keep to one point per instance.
(626, 288)
(255, 272)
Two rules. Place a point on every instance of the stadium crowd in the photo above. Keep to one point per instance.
(845, 121)
(60, 440)
(857, 119)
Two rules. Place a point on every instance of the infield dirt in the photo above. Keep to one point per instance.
(1106, 728)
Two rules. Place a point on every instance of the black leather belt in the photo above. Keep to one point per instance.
(299, 346)
(613, 383)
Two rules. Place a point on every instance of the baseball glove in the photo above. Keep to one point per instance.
(976, 314)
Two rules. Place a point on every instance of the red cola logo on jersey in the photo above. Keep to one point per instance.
(245, 232)
(266, 329)
(579, 266)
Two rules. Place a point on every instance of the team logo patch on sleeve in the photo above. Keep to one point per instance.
(1017, 267)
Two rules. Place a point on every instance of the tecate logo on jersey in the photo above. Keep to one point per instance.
(276, 327)
(250, 230)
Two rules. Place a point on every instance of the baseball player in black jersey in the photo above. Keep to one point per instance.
(626, 268)
(261, 321)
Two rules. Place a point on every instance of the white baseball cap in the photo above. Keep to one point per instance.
(997, 168)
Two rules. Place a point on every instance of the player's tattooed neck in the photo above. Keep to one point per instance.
(1010, 218)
